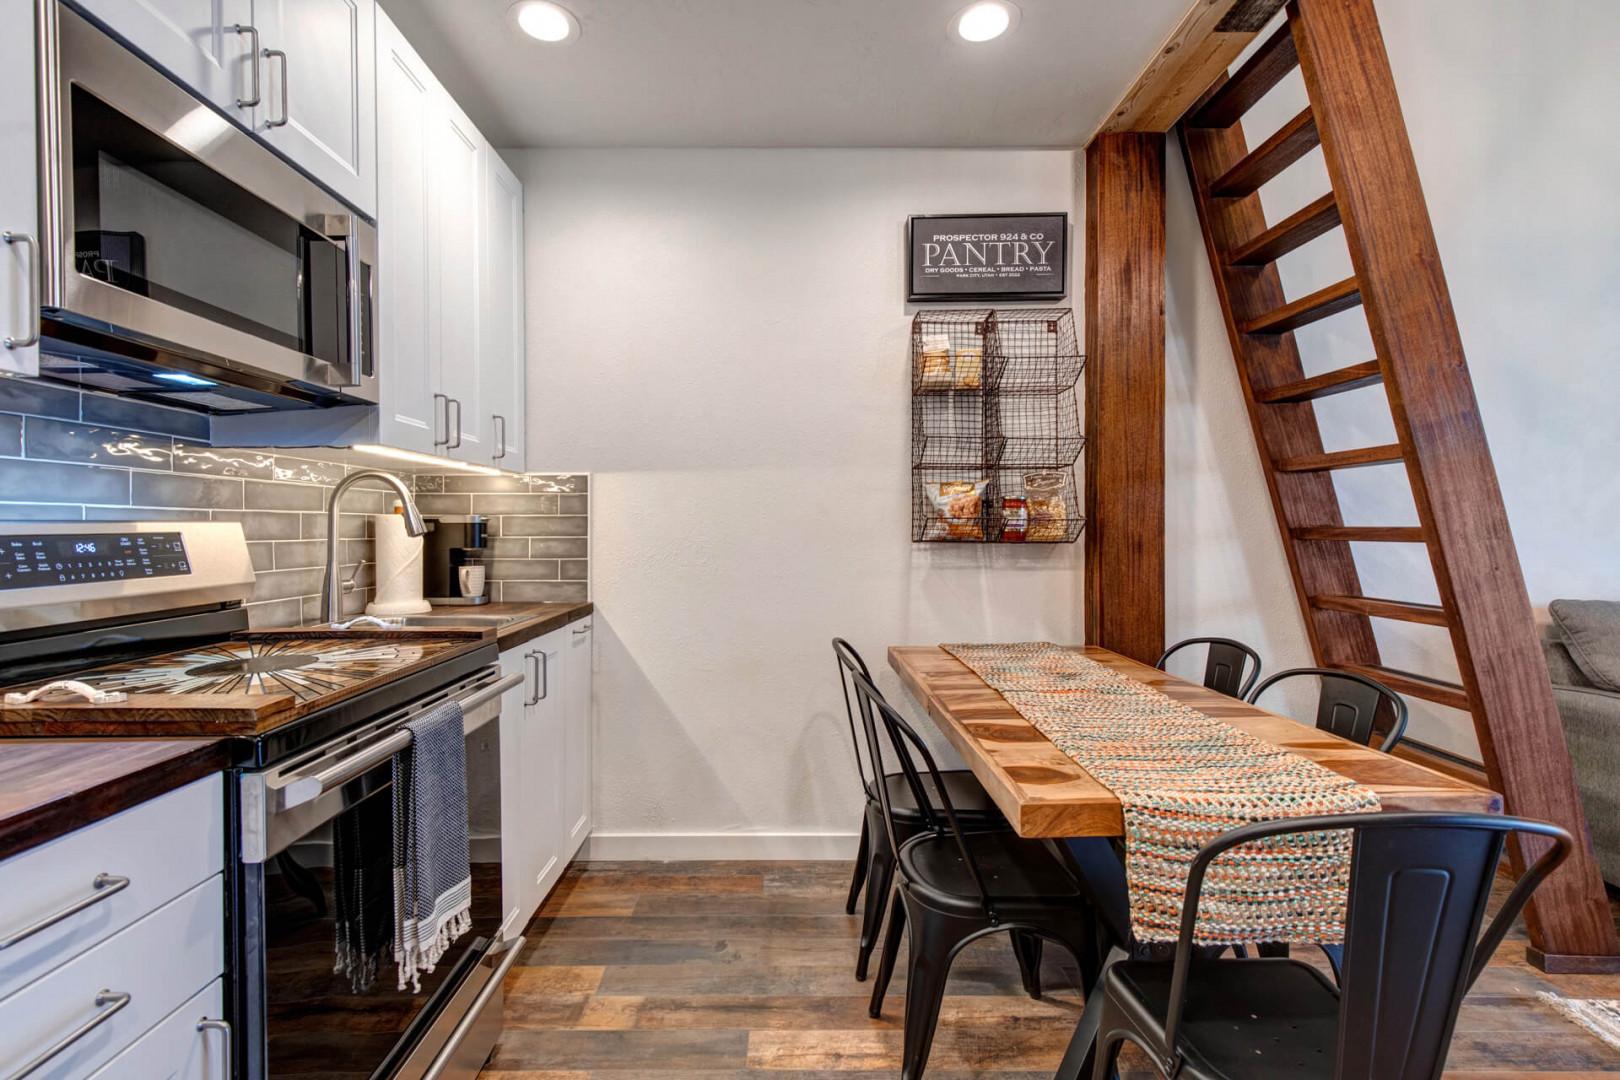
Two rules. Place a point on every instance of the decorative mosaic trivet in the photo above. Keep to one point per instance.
(1182, 779)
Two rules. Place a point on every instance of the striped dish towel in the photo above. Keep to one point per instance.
(432, 863)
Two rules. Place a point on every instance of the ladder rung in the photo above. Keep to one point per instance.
(1293, 231)
(1383, 609)
(1340, 296)
(1292, 141)
(1341, 459)
(1419, 686)
(1388, 534)
(1319, 386)
(1265, 68)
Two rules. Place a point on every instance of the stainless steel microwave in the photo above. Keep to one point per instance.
(182, 261)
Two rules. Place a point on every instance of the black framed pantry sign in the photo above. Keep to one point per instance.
(995, 257)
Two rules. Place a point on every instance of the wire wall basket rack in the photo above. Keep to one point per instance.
(995, 416)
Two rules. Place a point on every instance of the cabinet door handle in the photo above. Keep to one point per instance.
(108, 1002)
(439, 399)
(102, 887)
(500, 438)
(534, 667)
(32, 300)
(583, 629)
(545, 676)
(277, 54)
(224, 1028)
(457, 428)
(258, 85)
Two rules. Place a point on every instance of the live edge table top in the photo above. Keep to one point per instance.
(1044, 793)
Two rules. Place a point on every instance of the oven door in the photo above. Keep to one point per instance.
(176, 242)
(316, 986)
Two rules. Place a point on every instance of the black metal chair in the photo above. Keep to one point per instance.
(1348, 704)
(956, 885)
(874, 861)
(1418, 888)
(1224, 664)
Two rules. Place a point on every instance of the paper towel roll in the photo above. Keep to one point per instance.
(399, 569)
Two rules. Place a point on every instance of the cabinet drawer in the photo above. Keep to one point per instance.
(175, 1049)
(164, 847)
(160, 962)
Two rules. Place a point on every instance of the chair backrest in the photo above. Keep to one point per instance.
(850, 665)
(1348, 704)
(941, 820)
(1224, 664)
(1418, 888)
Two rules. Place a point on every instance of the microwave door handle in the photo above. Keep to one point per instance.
(352, 251)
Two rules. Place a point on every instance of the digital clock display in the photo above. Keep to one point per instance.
(36, 561)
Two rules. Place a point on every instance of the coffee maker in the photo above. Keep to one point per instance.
(455, 543)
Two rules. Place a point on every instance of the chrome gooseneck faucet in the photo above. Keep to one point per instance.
(332, 591)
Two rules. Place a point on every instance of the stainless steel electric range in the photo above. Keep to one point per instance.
(147, 621)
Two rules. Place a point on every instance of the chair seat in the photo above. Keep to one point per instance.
(1243, 1018)
(972, 803)
(1016, 872)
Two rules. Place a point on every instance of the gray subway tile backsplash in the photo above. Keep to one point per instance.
(66, 456)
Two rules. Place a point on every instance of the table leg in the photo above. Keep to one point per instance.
(1081, 1057)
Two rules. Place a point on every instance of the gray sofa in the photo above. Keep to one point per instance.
(1582, 644)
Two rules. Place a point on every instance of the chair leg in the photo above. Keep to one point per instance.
(1273, 950)
(891, 950)
(1110, 1039)
(860, 867)
(879, 876)
(1027, 947)
(934, 941)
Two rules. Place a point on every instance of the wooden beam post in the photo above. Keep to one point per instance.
(1125, 394)
(1408, 306)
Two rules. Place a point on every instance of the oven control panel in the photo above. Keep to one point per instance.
(32, 560)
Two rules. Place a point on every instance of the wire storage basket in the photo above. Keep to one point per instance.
(995, 426)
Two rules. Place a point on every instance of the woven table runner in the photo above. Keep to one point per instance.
(1184, 778)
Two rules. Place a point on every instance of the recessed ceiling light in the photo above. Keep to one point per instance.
(545, 21)
(984, 21)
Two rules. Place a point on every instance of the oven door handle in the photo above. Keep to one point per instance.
(309, 788)
(442, 1062)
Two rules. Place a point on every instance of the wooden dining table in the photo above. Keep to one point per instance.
(1044, 794)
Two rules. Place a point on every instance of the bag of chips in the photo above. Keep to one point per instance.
(958, 506)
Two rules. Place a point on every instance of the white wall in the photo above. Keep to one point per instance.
(720, 338)
(1509, 109)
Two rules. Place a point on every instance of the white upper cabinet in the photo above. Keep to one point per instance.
(453, 308)
(19, 206)
(206, 44)
(407, 365)
(319, 100)
(500, 328)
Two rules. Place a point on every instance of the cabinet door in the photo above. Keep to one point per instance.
(577, 737)
(320, 91)
(19, 207)
(409, 415)
(500, 330)
(453, 264)
(195, 41)
(544, 764)
(517, 873)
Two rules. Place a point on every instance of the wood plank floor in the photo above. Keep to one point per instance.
(732, 970)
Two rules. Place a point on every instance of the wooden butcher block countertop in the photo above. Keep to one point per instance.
(535, 619)
(50, 787)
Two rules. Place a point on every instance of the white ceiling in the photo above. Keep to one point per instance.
(710, 73)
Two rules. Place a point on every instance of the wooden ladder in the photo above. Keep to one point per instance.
(1354, 116)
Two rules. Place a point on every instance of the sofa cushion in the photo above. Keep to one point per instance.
(1560, 666)
(1591, 632)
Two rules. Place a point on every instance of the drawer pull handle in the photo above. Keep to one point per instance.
(583, 629)
(224, 1028)
(108, 1002)
(104, 886)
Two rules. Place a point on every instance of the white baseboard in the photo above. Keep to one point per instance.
(660, 847)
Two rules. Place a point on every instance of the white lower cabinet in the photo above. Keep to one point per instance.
(116, 945)
(191, 1044)
(544, 779)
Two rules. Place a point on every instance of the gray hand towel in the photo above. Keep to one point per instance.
(432, 864)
